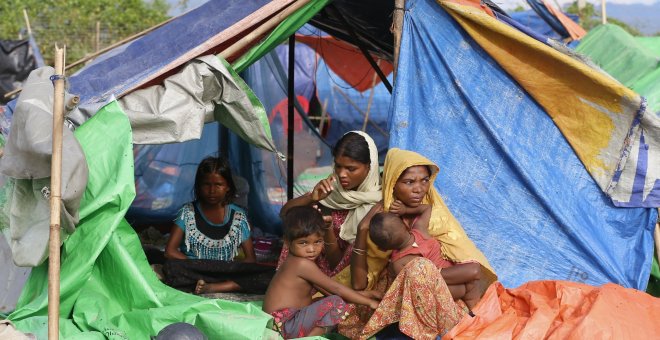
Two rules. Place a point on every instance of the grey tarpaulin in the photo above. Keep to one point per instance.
(12, 278)
(26, 162)
(203, 91)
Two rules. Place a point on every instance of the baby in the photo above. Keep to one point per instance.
(388, 232)
(289, 295)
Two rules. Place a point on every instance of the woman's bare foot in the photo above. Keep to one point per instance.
(201, 288)
(204, 287)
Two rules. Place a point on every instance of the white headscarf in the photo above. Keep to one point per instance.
(360, 200)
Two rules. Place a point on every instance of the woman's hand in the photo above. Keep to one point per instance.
(398, 208)
(323, 188)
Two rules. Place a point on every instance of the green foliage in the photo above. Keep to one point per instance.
(589, 18)
(73, 22)
(519, 8)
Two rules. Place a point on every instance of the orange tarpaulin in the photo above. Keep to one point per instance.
(347, 61)
(576, 31)
(561, 310)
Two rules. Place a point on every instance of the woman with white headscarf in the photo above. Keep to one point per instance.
(349, 192)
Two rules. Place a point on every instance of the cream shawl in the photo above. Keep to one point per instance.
(359, 201)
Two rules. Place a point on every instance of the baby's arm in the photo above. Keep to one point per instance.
(311, 273)
(423, 210)
(422, 222)
(398, 265)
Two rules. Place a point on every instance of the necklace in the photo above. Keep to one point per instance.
(408, 243)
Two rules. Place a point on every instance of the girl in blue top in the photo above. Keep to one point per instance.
(211, 227)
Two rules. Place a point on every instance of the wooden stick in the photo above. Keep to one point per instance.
(12, 92)
(371, 99)
(324, 115)
(97, 43)
(55, 199)
(27, 22)
(261, 30)
(397, 28)
(603, 11)
(118, 43)
(382, 132)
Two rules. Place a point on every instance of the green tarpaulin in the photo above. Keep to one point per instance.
(634, 61)
(108, 289)
(286, 28)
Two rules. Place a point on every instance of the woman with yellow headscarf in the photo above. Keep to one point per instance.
(456, 245)
(419, 298)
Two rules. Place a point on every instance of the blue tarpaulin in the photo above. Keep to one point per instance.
(506, 171)
(143, 59)
(534, 22)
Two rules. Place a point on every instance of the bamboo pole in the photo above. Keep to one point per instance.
(12, 92)
(55, 199)
(603, 12)
(324, 115)
(371, 99)
(291, 95)
(261, 30)
(97, 43)
(396, 29)
(27, 22)
(357, 108)
(118, 43)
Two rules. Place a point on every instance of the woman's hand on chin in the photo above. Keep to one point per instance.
(398, 208)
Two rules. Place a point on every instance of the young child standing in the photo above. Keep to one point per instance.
(388, 232)
(289, 295)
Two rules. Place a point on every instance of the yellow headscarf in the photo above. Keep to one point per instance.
(456, 245)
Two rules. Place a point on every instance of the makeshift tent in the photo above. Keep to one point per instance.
(104, 198)
(507, 172)
(165, 173)
(488, 174)
(220, 86)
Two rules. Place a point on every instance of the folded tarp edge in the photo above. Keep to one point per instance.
(177, 110)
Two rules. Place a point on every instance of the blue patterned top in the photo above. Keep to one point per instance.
(209, 241)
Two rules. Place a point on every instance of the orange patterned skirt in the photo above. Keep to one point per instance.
(418, 299)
